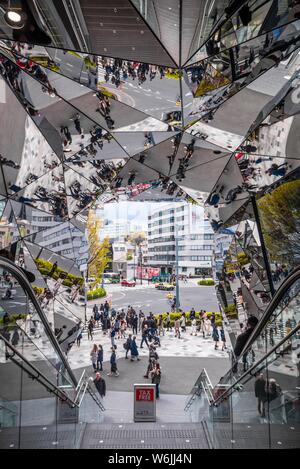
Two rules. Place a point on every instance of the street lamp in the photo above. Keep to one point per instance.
(177, 269)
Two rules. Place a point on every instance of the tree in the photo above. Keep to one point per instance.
(99, 251)
(280, 213)
(137, 240)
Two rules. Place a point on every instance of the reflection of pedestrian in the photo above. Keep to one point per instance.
(260, 393)
(15, 338)
(53, 269)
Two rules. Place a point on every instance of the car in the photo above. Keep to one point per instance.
(128, 283)
(164, 286)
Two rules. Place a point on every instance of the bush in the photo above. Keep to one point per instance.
(13, 318)
(69, 279)
(97, 293)
(38, 290)
(208, 281)
(175, 74)
(174, 316)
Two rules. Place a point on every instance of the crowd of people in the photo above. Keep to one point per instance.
(138, 330)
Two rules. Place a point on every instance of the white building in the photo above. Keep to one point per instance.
(195, 239)
(63, 239)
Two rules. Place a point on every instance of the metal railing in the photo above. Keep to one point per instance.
(253, 370)
(20, 276)
(202, 385)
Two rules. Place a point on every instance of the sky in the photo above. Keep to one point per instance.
(135, 212)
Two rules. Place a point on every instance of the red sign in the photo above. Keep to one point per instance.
(144, 394)
(147, 272)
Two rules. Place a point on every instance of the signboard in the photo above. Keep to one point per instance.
(144, 403)
(147, 272)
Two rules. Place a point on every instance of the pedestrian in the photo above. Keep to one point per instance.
(112, 336)
(134, 324)
(144, 336)
(161, 325)
(194, 327)
(183, 322)
(134, 350)
(153, 357)
(100, 358)
(177, 328)
(127, 345)
(113, 363)
(242, 340)
(192, 314)
(100, 384)
(215, 336)
(78, 338)
(168, 321)
(156, 378)
(90, 329)
(260, 394)
(223, 338)
(94, 357)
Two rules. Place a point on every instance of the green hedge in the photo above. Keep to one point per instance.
(207, 282)
(174, 316)
(175, 74)
(13, 318)
(97, 293)
(38, 290)
(231, 311)
(69, 280)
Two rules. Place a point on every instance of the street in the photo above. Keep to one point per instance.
(150, 299)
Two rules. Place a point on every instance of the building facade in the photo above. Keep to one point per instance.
(195, 240)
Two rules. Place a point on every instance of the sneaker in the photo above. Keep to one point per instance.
(145, 376)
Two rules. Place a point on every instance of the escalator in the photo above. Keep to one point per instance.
(42, 404)
(256, 404)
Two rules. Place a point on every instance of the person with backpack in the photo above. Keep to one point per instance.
(134, 350)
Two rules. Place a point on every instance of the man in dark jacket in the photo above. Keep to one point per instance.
(100, 384)
(260, 393)
(242, 339)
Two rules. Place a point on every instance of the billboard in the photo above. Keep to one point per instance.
(147, 272)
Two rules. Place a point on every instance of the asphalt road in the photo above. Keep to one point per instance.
(149, 299)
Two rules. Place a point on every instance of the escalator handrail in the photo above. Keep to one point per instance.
(55, 388)
(284, 287)
(48, 384)
(250, 370)
(24, 283)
